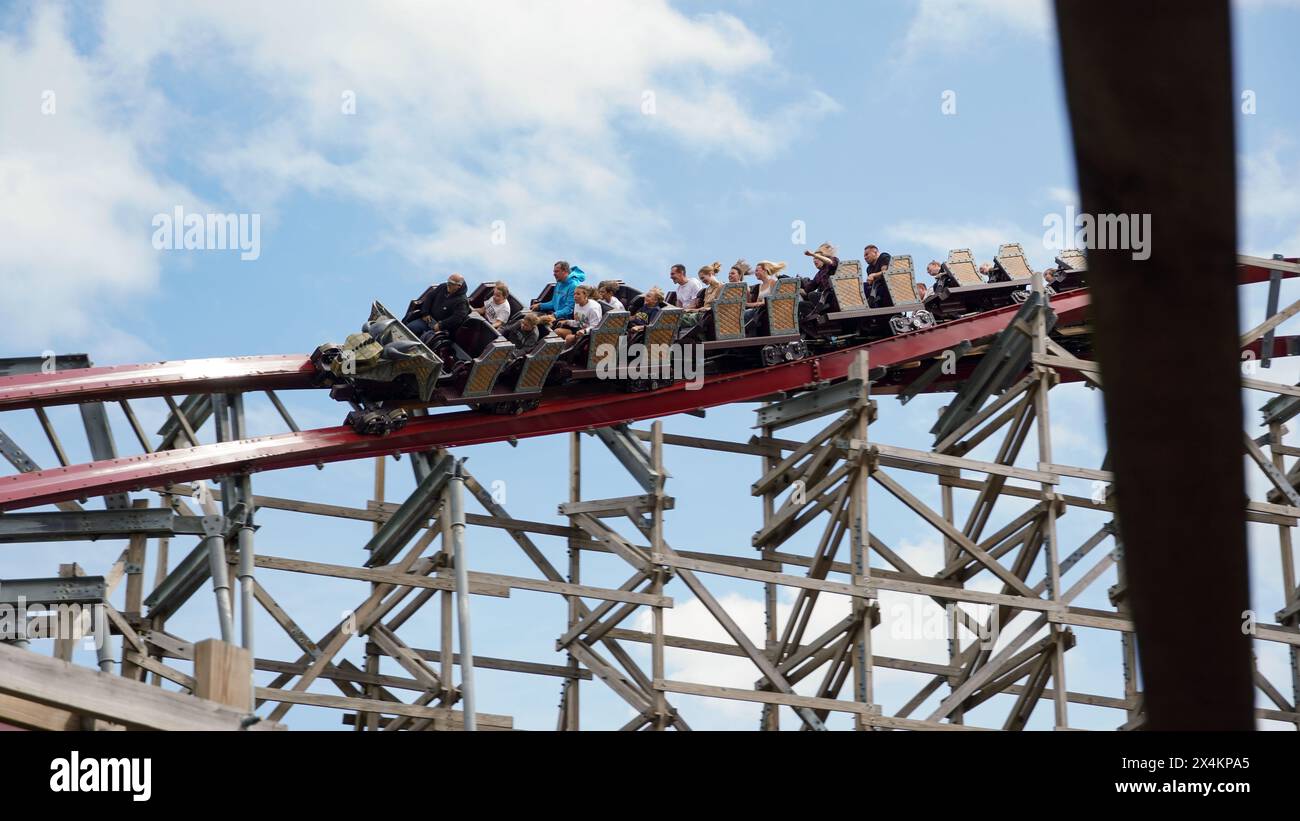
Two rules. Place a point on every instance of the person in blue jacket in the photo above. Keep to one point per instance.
(567, 278)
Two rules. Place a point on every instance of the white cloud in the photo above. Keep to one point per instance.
(469, 114)
(1063, 196)
(76, 197)
(466, 114)
(965, 24)
(1269, 202)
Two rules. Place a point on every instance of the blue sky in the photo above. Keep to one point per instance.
(623, 137)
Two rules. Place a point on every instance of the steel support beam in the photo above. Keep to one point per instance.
(413, 514)
(53, 591)
(630, 453)
(97, 524)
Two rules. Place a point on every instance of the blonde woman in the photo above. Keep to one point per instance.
(826, 261)
(712, 286)
(709, 288)
(767, 272)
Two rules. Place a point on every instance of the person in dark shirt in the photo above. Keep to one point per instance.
(441, 308)
(524, 333)
(650, 308)
(875, 286)
(826, 261)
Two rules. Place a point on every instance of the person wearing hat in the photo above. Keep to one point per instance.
(440, 308)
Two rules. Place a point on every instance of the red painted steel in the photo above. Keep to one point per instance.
(587, 406)
(176, 377)
(556, 415)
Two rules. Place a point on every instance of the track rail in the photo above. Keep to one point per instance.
(557, 415)
(581, 408)
(170, 378)
(275, 372)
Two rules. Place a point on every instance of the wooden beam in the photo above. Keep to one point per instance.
(89, 692)
(223, 673)
(455, 718)
(377, 575)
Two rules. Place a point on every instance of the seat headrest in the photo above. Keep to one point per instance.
(402, 349)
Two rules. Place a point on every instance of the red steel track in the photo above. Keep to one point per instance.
(579, 409)
(175, 377)
(558, 415)
(235, 374)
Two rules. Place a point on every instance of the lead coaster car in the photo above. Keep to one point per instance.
(384, 361)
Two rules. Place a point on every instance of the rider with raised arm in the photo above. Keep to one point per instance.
(826, 262)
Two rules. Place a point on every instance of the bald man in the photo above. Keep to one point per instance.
(441, 308)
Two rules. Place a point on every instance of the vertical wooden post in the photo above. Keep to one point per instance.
(861, 542)
(1128, 641)
(223, 673)
(135, 559)
(63, 647)
(1042, 421)
(1289, 592)
(379, 486)
(950, 554)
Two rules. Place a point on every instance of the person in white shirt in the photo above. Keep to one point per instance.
(586, 315)
(496, 309)
(688, 288)
(607, 294)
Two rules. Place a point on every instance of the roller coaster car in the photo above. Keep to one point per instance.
(596, 353)
(627, 295)
(478, 359)
(547, 292)
(772, 332)
(1011, 265)
(958, 290)
(847, 310)
(597, 345)
(483, 293)
(384, 361)
(488, 371)
(1071, 271)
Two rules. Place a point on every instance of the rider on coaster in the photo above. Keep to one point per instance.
(441, 308)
